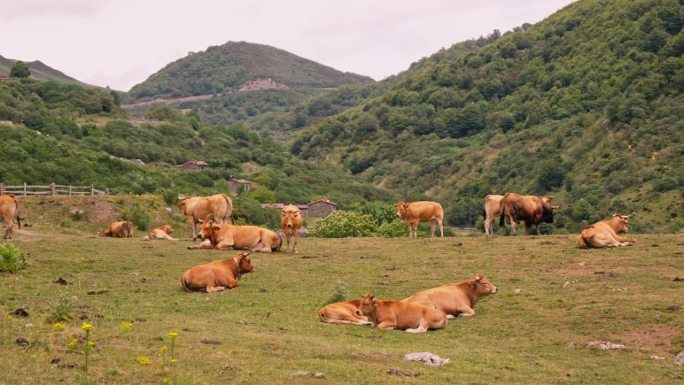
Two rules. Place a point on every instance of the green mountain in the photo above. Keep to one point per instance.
(68, 134)
(586, 105)
(39, 71)
(234, 82)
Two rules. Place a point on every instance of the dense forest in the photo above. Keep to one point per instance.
(586, 106)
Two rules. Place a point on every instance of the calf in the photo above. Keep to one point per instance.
(455, 299)
(605, 233)
(121, 229)
(291, 222)
(343, 313)
(423, 211)
(217, 275)
(163, 232)
(408, 316)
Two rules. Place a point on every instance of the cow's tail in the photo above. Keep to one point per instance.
(582, 240)
(229, 212)
(16, 209)
(502, 219)
(185, 284)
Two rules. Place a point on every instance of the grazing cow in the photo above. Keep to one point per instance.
(225, 236)
(9, 210)
(408, 316)
(163, 232)
(455, 299)
(291, 222)
(121, 229)
(414, 212)
(493, 207)
(605, 233)
(531, 209)
(343, 313)
(217, 275)
(220, 206)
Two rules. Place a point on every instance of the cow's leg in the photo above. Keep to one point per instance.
(296, 238)
(432, 228)
(212, 289)
(225, 245)
(414, 228)
(387, 325)
(205, 244)
(191, 219)
(231, 282)
(441, 227)
(466, 311)
(488, 226)
(514, 226)
(422, 328)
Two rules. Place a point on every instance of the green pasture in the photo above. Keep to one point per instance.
(553, 299)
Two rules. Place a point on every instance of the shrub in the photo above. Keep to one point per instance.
(60, 311)
(139, 216)
(339, 294)
(11, 259)
(343, 224)
(396, 228)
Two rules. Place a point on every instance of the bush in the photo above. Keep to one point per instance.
(139, 216)
(340, 293)
(343, 224)
(11, 259)
(396, 228)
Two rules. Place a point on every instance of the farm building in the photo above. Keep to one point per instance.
(195, 165)
(319, 209)
(235, 184)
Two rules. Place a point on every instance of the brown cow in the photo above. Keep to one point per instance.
(414, 212)
(9, 210)
(455, 299)
(343, 313)
(408, 316)
(163, 232)
(291, 222)
(493, 207)
(225, 236)
(605, 233)
(531, 209)
(217, 275)
(219, 206)
(121, 229)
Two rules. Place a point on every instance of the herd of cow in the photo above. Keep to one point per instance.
(428, 309)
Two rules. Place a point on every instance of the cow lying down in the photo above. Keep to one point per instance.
(408, 316)
(217, 275)
(121, 229)
(605, 233)
(455, 299)
(343, 313)
(225, 236)
(161, 233)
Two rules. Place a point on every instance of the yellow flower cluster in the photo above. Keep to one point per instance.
(173, 335)
(72, 344)
(142, 360)
(87, 327)
(125, 325)
(58, 326)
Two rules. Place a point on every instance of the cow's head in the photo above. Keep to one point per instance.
(366, 306)
(244, 264)
(481, 286)
(289, 216)
(548, 210)
(401, 209)
(619, 223)
(167, 229)
(207, 229)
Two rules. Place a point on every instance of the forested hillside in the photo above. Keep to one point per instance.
(71, 135)
(586, 106)
(39, 70)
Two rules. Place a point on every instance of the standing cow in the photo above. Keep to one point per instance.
(219, 206)
(530, 209)
(423, 211)
(291, 222)
(493, 207)
(605, 233)
(9, 209)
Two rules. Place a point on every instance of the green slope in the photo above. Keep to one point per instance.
(586, 105)
(40, 71)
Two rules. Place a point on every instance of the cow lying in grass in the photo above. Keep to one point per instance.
(217, 275)
(120, 229)
(408, 316)
(455, 299)
(605, 233)
(343, 313)
(225, 236)
(163, 232)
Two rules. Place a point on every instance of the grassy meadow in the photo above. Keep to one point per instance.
(553, 299)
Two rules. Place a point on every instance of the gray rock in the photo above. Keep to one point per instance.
(604, 345)
(426, 357)
(679, 359)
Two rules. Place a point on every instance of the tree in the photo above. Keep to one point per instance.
(20, 70)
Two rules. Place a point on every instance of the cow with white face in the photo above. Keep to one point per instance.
(290, 223)
(605, 233)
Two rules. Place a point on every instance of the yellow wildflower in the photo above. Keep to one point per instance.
(72, 344)
(58, 326)
(87, 327)
(142, 360)
(173, 335)
(90, 343)
(164, 348)
(173, 360)
(125, 325)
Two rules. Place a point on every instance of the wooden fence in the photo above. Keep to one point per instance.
(51, 189)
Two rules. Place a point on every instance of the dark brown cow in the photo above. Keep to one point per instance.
(9, 209)
(605, 233)
(530, 209)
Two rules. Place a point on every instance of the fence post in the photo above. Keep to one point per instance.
(52, 188)
(25, 194)
(2, 189)
(69, 190)
(92, 190)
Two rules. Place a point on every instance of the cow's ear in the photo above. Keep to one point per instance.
(406, 205)
(373, 300)
(215, 226)
(478, 277)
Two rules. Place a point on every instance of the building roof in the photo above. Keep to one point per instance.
(197, 162)
(241, 181)
(328, 201)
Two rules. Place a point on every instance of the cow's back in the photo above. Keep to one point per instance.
(493, 205)
(425, 210)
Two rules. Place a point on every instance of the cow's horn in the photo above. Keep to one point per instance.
(556, 207)
(250, 251)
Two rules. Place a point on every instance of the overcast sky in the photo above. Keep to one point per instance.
(121, 42)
